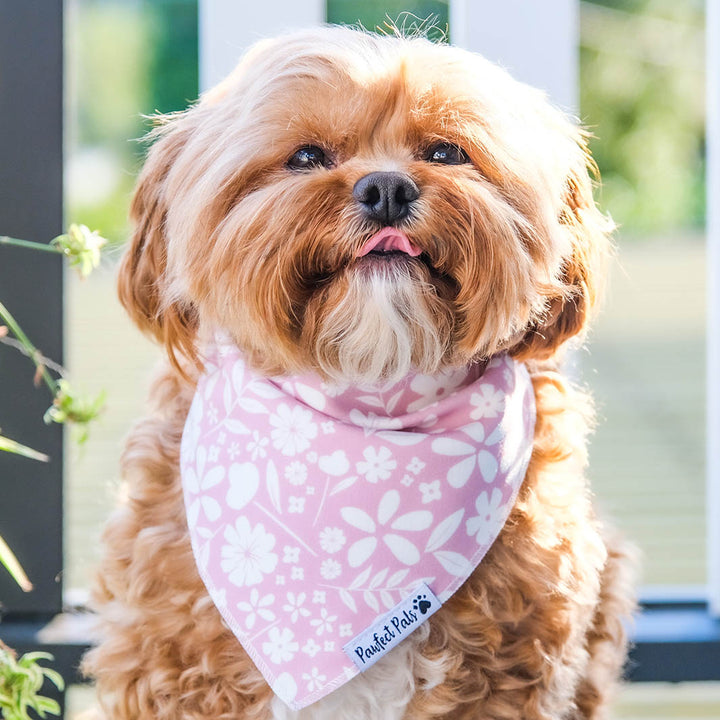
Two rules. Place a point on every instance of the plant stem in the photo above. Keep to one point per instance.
(5, 240)
(32, 351)
(8, 559)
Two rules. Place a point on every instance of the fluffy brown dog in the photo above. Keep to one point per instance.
(250, 215)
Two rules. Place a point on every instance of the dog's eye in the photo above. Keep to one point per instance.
(446, 154)
(308, 157)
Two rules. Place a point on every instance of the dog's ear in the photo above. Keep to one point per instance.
(583, 271)
(143, 269)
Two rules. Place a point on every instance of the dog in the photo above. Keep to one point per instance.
(348, 214)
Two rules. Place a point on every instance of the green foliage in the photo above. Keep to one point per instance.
(381, 14)
(68, 407)
(81, 247)
(173, 63)
(125, 60)
(642, 95)
(109, 45)
(21, 681)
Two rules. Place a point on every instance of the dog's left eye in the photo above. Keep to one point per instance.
(308, 157)
(446, 154)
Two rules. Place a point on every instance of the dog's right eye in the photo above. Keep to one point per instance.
(309, 157)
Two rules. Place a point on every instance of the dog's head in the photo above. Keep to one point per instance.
(363, 206)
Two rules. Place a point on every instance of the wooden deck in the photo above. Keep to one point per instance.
(646, 366)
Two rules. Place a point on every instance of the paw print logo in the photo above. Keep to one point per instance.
(422, 604)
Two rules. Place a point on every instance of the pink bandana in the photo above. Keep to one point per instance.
(329, 522)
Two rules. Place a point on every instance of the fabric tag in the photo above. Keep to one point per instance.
(392, 628)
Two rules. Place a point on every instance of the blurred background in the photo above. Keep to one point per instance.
(642, 97)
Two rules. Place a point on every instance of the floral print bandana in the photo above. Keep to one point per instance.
(327, 522)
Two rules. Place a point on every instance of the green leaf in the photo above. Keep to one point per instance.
(11, 446)
(8, 559)
(45, 706)
(55, 678)
(20, 682)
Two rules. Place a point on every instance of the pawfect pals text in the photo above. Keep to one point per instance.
(389, 630)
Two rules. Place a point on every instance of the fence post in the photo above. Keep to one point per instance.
(712, 20)
(31, 286)
(536, 41)
(228, 28)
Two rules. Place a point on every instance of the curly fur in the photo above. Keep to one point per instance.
(225, 235)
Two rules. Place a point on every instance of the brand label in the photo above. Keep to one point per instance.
(392, 628)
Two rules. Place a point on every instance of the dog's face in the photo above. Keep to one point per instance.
(363, 206)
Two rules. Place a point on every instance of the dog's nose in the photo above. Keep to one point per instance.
(386, 196)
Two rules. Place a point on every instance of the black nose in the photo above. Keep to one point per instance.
(386, 196)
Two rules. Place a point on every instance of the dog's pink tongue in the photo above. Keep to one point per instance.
(389, 239)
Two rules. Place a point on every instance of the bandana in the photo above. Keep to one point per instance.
(329, 522)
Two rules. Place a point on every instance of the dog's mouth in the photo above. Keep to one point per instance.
(389, 242)
(391, 249)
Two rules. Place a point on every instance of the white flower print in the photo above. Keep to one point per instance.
(214, 453)
(297, 573)
(377, 464)
(470, 456)
(319, 597)
(415, 465)
(407, 480)
(279, 579)
(346, 630)
(212, 414)
(324, 623)
(430, 491)
(197, 480)
(328, 646)
(291, 554)
(256, 447)
(333, 389)
(247, 556)
(432, 388)
(485, 524)
(281, 647)
(293, 429)
(488, 403)
(257, 606)
(296, 504)
(332, 539)
(311, 648)
(402, 548)
(296, 472)
(330, 569)
(294, 606)
(233, 450)
(221, 438)
(328, 427)
(314, 679)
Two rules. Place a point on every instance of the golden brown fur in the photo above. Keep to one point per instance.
(226, 235)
